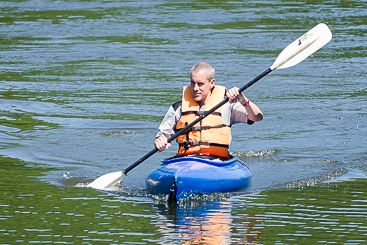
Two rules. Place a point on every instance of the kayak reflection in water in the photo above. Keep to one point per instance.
(212, 135)
(207, 223)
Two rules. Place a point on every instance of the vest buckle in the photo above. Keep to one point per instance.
(186, 145)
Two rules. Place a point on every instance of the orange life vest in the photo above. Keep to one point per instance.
(211, 135)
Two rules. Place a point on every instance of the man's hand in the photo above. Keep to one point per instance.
(161, 143)
(234, 95)
(253, 112)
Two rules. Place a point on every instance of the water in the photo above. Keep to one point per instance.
(84, 85)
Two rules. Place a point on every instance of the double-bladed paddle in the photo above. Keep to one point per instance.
(293, 54)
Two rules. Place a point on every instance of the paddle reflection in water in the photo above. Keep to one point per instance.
(203, 222)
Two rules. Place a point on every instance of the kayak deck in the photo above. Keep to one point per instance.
(177, 176)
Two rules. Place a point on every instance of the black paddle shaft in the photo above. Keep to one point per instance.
(201, 117)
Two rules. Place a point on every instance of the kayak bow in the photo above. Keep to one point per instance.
(179, 176)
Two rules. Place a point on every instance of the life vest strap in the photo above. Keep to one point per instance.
(198, 114)
(187, 145)
(199, 128)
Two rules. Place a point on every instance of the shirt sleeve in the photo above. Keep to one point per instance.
(168, 124)
(235, 113)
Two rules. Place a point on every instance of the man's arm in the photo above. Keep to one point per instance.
(253, 112)
(167, 127)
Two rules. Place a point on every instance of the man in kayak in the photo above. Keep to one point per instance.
(212, 135)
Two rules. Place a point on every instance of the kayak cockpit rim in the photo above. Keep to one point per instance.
(212, 160)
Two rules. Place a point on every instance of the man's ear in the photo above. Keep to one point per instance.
(212, 83)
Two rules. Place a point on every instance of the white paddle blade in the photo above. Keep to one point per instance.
(107, 180)
(303, 47)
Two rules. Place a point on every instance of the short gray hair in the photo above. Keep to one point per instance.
(210, 71)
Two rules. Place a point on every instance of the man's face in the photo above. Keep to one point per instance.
(201, 86)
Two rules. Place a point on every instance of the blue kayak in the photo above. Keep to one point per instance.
(179, 176)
